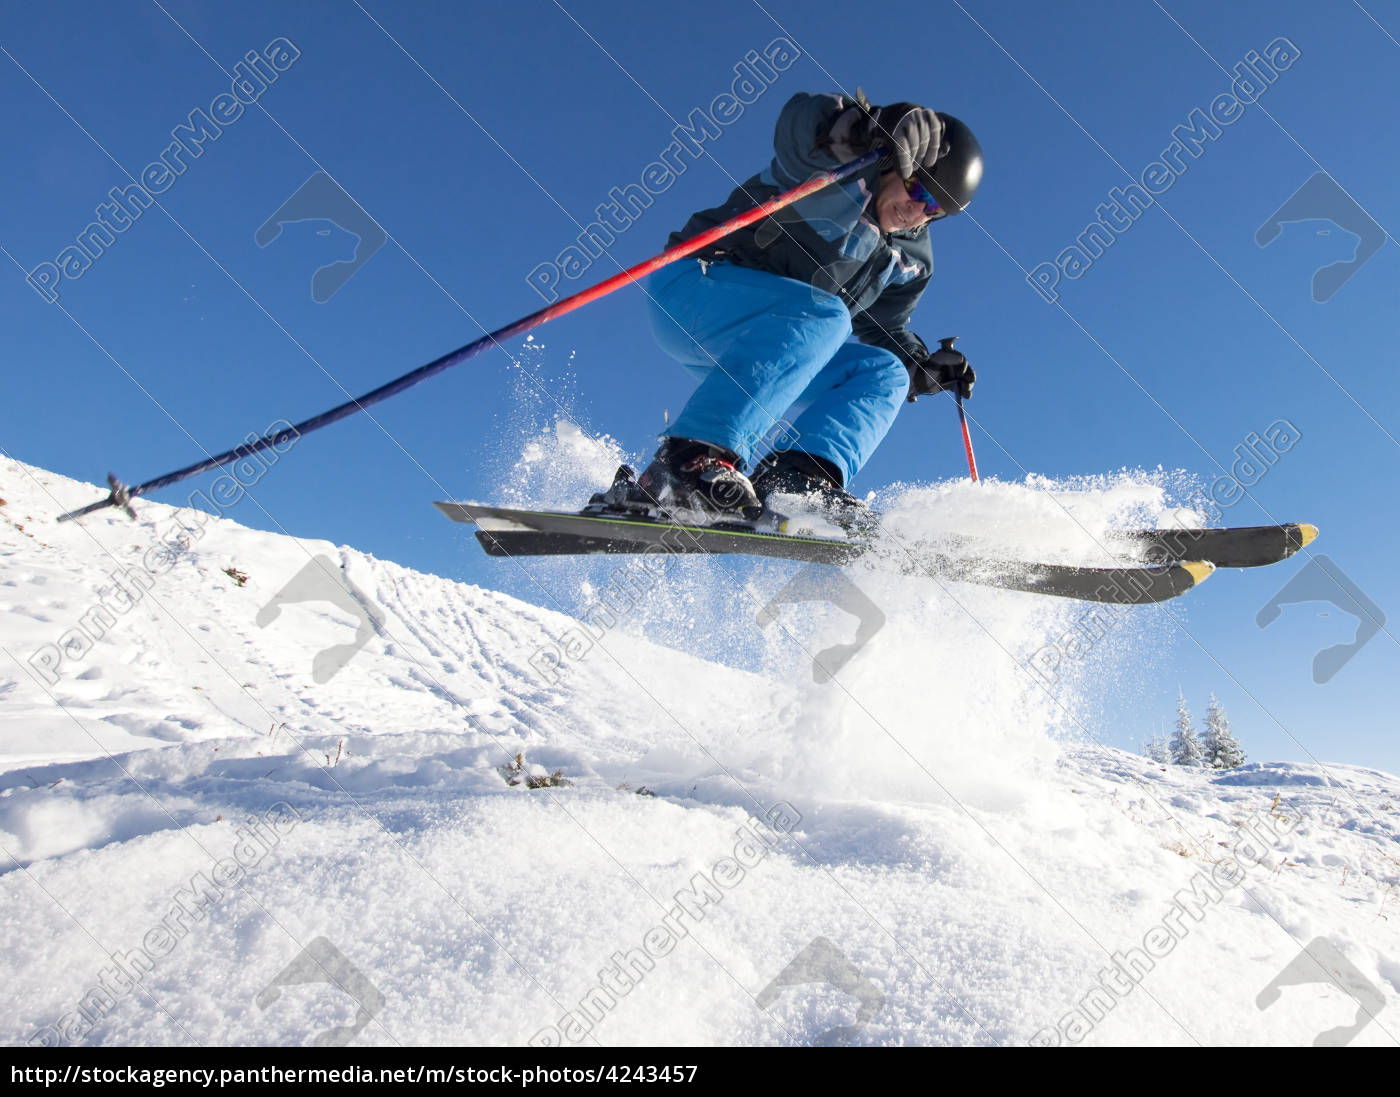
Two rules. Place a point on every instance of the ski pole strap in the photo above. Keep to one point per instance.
(122, 495)
(967, 439)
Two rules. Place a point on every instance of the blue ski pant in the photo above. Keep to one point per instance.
(760, 343)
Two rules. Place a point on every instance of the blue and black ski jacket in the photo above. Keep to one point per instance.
(830, 239)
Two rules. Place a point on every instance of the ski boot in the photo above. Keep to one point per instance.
(686, 480)
(817, 482)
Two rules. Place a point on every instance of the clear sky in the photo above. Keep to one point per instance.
(482, 137)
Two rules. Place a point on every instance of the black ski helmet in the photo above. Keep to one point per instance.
(955, 174)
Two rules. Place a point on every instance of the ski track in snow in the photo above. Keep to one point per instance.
(956, 838)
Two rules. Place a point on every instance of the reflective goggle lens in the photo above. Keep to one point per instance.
(919, 193)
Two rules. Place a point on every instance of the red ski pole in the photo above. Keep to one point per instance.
(967, 439)
(949, 356)
(121, 495)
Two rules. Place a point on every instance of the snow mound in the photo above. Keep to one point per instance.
(259, 790)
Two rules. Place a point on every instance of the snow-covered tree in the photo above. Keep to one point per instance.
(1156, 748)
(1220, 747)
(1186, 751)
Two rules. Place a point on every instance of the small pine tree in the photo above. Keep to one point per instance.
(1222, 750)
(1156, 748)
(1185, 750)
(1209, 737)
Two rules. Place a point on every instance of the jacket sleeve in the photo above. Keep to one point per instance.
(798, 154)
(805, 119)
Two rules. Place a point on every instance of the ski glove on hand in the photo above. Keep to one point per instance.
(944, 370)
(911, 133)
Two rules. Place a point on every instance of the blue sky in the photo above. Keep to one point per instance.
(480, 137)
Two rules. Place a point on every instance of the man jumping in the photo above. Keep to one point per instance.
(763, 317)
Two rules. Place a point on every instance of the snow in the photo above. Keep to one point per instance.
(936, 833)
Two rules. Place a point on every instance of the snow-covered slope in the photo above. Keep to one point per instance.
(265, 791)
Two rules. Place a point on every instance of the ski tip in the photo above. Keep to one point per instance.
(1306, 534)
(1200, 570)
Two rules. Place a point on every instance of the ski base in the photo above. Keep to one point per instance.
(506, 533)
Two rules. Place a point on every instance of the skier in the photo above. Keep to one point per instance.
(762, 317)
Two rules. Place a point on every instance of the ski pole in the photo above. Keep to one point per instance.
(967, 439)
(949, 356)
(121, 495)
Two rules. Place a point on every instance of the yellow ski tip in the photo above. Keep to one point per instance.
(1306, 534)
(1200, 570)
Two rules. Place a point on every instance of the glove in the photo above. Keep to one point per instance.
(912, 134)
(944, 370)
(850, 135)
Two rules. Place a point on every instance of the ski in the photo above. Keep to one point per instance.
(1240, 547)
(507, 533)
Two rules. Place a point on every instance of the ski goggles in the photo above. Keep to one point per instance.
(920, 194)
